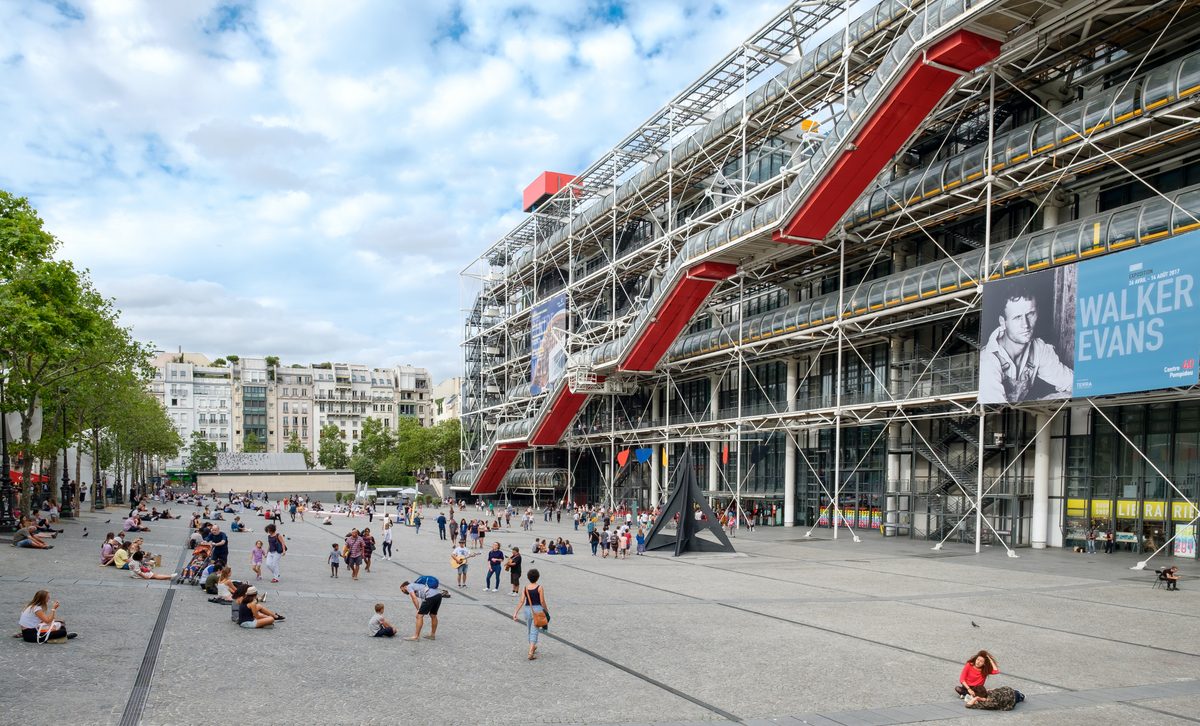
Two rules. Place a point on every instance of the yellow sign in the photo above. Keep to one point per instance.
(1154, 510)
(1076, 507)
(1101, 509)
(1182, 511)
(1127, 509)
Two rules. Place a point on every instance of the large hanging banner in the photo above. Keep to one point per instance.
(548, 343)
(1117, 324)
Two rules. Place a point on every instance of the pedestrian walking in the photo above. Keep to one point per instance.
(427, 599)
(335, 559)
(495, 558)
(1091, 540)
(417, 522)
(257, 555)
(276, 549)
(537, 614)
(354, 552)
(387, 540)
(1109, 540)
(641, 541)
(594, 538)
(292, 509)
(368, 548)
(441, 523)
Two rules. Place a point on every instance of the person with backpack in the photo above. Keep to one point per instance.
(426, 595)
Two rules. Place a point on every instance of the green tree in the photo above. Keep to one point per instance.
(219, 363)
(272, 361)
(54, 325)
(202, 453)
(233, 359)
(252, 444)
(447, 445)
(331, 448)
(295, 447)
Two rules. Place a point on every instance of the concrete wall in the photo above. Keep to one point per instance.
(271, 481)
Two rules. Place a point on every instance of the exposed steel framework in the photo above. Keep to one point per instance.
(825, 146)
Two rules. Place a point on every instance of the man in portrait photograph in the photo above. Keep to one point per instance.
(1017, 363)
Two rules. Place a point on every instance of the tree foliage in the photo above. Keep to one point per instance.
(202, 453)
(331, 448)
(295, 447)
(252, 444)
(62, 348)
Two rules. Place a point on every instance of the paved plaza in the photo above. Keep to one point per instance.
(791, 630)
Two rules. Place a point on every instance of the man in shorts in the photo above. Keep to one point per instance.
(356, 548)
(461, 553)
(427, 601)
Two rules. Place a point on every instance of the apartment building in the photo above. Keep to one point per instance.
(447, 400)
(250, 399)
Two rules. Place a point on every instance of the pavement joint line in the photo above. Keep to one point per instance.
(141, 685)
(1144, 707)
(603, 659)
(911, 651)
(1064, 631)
(1120, 605)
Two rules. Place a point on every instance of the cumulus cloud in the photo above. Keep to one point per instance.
(305, 179)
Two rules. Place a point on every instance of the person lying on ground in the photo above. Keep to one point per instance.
(140, 568)
(1001, 698)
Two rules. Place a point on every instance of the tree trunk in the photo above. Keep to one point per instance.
(26, 466)
(78, 480)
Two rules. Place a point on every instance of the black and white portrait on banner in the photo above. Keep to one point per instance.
(1028, 336)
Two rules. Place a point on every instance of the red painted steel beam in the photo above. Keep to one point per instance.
(562, 412)
(677, 309)
(914, 98)
(497, 464)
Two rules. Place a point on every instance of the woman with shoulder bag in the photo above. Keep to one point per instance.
(38, 623)
(537, 615)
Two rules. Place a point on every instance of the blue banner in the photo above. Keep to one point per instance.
(1136, 327)
(548, 343)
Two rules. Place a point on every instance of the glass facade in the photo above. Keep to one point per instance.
(1133, 476)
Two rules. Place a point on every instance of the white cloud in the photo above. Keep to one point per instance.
(304, 178)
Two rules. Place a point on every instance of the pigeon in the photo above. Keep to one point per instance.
(85, 531)
(107, 521)
(974, 624)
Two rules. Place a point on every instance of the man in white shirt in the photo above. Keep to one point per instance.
(1015, 365)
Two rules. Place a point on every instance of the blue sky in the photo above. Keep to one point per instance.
(306, 178)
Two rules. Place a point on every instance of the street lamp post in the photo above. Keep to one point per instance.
(65, 509)
(7, 523)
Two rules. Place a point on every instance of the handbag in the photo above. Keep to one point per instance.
(541, 619)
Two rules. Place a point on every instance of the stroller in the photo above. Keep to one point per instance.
(201, 558)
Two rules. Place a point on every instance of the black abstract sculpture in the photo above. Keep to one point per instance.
(684, 499)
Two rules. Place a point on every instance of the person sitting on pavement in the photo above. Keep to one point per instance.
(133, 524)
(140, 568)
(107, 550)
(237, 526)
(379, 626)
(38, 621)
(43, 525)
(253, 614)
(26, 536)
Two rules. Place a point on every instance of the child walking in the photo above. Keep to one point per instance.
(335, 558)
(257, 555)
